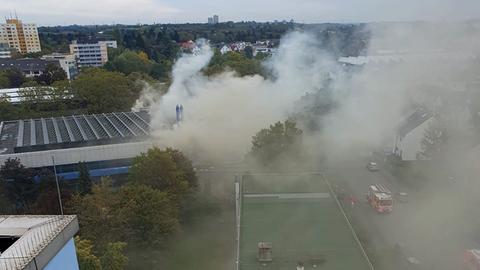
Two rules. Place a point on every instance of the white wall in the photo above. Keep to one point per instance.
(66, 258)
(75, 155)
(412, 143)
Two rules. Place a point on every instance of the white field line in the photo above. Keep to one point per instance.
(348, 222)
(289, 195)
(238, 214)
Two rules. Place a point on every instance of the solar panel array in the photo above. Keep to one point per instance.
(78, 129)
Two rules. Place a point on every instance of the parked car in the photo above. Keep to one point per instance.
(372, 166)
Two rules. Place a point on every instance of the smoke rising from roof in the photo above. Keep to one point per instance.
(428, 66)
(223, 112)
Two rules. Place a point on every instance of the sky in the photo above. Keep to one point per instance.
(66, 12)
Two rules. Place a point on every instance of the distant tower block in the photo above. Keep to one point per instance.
(264, 252)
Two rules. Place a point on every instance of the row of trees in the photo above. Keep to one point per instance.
(242, 63)
(113, 220)
(277, 146)
(13, 78)
(91, 92)
(127, 61)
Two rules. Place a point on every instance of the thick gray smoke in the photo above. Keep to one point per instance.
(223, 112)
(410, 66)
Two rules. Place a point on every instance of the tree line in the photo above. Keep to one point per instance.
(142, 213)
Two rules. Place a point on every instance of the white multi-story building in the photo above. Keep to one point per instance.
(38, 242)
(21, 36)
(67, 62)
(109, 43)
(91, 54)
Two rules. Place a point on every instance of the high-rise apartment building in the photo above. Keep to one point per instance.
(91, 54)
(21, 36)
(213, 20)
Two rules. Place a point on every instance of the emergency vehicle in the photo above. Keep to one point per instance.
(472, 259)
(380, 198)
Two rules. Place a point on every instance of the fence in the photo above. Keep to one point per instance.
(32, 242)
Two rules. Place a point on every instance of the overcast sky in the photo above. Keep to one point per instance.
(63, 12)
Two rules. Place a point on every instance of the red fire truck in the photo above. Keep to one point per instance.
(472, 259)
(380, 198)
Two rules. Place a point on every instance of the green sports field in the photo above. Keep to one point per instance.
(298, 215)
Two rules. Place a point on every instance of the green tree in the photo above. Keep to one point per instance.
(130, 61)
(148, 215)
(114, 52)
(4, 81)
(86, 259)
(51, 74)
(84, 181)
(47, 201)
(235, 61)
(248, 52)
(18, 183)
(137, 214)
(160, 71)
(96, 88)
(185, 165)
(157, 169)
(7, 110)
(15, 77)
(97, 214)
(280, 141)
(113, 257)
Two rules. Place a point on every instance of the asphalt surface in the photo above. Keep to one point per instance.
(430, 228)
(435, 226)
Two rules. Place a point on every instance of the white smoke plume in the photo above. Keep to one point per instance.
(223, 112)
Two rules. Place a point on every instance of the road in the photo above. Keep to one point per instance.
(428, 227)
(434, 226)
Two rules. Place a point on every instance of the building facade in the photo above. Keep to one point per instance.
(66, 61)
(30, 67)
(20, 36)
(5, 51)
(38, 242)
(107, 143)
(213, 20)
(91, 54)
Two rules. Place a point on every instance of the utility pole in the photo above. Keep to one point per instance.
(58, 185)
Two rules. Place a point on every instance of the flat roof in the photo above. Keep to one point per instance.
(302, 220)
(29, 135)
(27, 237)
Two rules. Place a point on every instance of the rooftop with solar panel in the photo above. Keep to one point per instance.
(30, 135)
